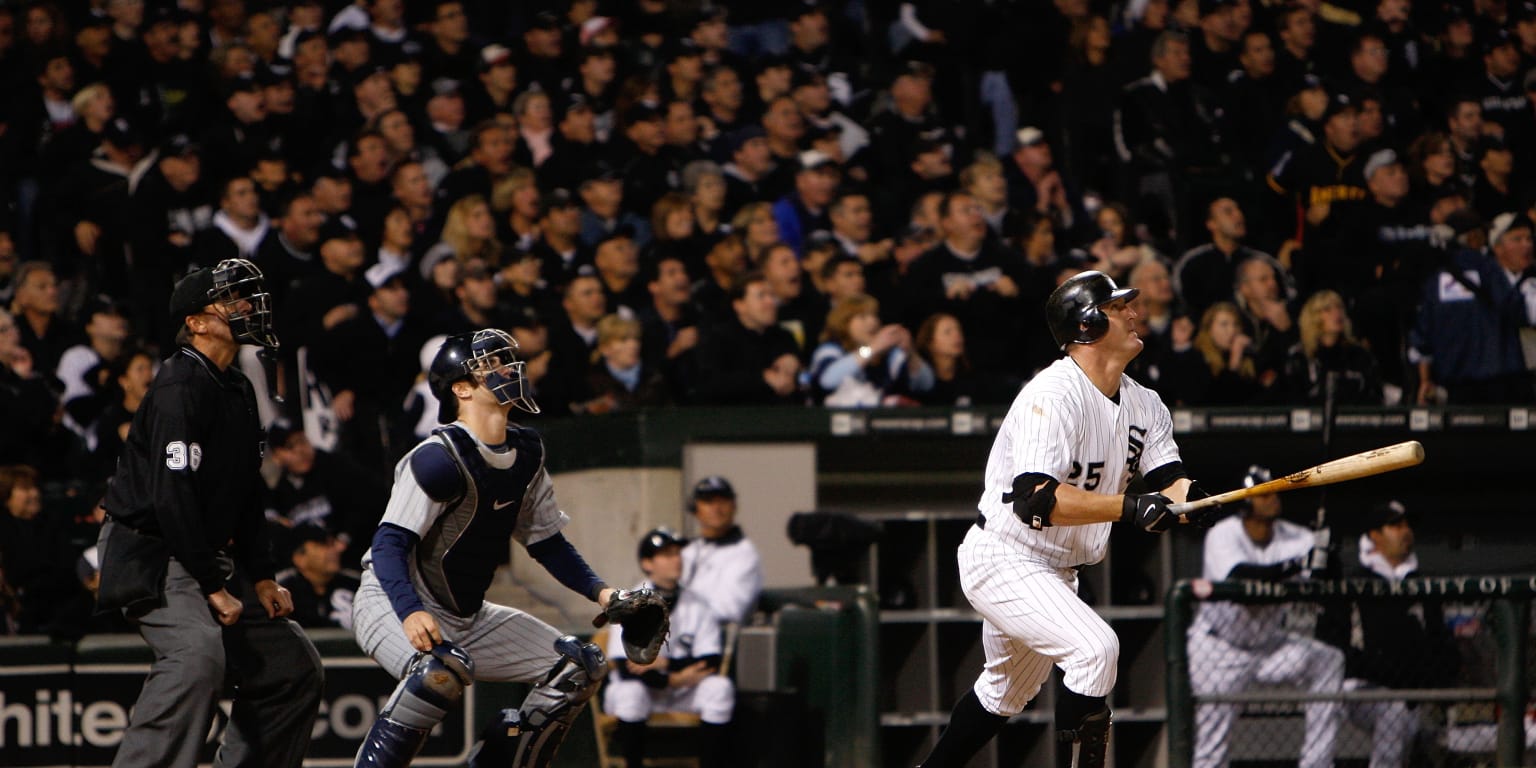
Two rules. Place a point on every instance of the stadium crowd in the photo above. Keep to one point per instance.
(856, 203)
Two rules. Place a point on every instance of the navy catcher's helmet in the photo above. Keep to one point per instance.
(487, 356)
(1073, 308)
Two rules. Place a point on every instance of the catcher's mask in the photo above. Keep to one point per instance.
(487, 357)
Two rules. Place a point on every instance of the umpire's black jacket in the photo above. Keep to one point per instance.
(188, 473)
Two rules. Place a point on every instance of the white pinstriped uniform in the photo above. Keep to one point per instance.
(695, 633)
(505, 643)
(1022, 581)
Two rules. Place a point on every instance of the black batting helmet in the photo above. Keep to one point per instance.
(657, 540)
(1073, 308)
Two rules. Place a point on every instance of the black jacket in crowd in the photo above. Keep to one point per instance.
(190, 471)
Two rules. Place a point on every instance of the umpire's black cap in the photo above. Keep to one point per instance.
(191, 294)
(713, 487)
(658, 539)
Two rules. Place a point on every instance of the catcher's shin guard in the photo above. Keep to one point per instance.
(434, 682)
(540, 724)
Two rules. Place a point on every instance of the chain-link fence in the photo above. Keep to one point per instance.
(1423, 672)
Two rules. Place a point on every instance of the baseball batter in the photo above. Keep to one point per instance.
(1240, 645)
(420, 612)
(1055, 481)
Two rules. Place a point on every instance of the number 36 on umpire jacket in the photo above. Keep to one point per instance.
(188, 479)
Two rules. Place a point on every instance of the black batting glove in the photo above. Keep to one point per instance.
(1206, 517)
(1148, 511)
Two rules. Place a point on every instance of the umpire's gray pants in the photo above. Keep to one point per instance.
(274, 667)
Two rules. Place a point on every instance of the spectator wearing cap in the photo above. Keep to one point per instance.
(1466, 336)
(724, 262)
(521, 290)
(446, 49)
(748, 169)
(1499, 86)
(928, 170)
(617, 262)
(495, 85)
(1035, 184)
(910, 119)
(721, 562)
(709, 31)
(322, 590)
(669, 324)
(324, 489)
(240, 133)
(1213, 48)
(1317, 177)
(974, 278)
(166, 209)
(648, 172)
(475, 303)
(770, 79)
(1378, 262)
(573, 145)
(804, 209)
(542, 52)
(369, 94)
(603, 212)
(596, 83)
(1166, 131)
(335, 292)
(1389, 643)
(811, 52)
(683, 70)
(1497, 190)
(818, 108)
(82, 367)
(238, 227)
(369, 363)
(46, 111)
(559, 247)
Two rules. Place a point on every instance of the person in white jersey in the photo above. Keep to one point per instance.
(1056, 478)
(1237, 646)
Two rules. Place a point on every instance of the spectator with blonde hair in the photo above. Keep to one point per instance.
(619, 379)
(758, 228)
(1328, 349)
(861, 363)
(469, 233)
(985, 181)
(515, 199)
(1218, 368)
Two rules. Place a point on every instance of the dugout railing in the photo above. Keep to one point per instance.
(1478, 711)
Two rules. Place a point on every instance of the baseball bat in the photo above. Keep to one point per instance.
(1372, 462)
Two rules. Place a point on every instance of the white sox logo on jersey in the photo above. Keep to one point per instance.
(1089, 477)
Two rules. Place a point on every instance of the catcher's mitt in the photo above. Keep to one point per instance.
(642, 616)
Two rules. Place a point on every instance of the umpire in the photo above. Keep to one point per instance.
(184, 554)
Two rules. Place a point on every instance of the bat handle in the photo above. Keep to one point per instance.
(1185, 507)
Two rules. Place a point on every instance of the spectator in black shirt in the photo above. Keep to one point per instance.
(447, 52)
(44, 331)
(747, 359)
(1261, 296)
(669, 325)
(1328, 350)
(27, 404)
(322, 489)
(334, 293)
(573, 147)
(34, 548)
(1496, 190)
(572, 340)
(241, 134)
(322, 590)
(617, 262)
(747, 169)
(721, 97)
(128, 377)
(1206, 274)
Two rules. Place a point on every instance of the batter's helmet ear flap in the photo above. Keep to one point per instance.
(1093, 325)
